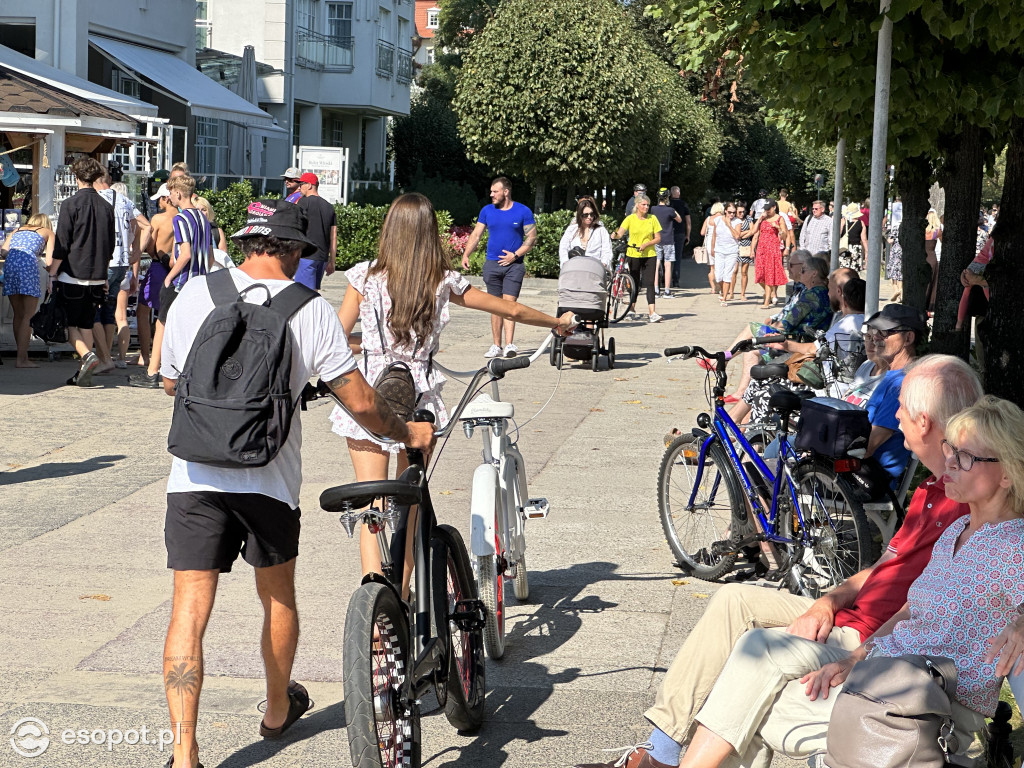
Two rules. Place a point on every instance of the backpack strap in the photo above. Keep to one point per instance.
(222, 287)
(290, 300)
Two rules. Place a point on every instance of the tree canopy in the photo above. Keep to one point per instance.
(570, 93)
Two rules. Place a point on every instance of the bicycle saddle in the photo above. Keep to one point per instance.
(785, 401)
(484, 407)
(358, 495)
(769, 371)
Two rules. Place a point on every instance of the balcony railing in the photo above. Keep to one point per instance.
(385, 59)
(404, 74)
(322, 52)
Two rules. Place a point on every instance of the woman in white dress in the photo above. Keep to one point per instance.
(409, 287)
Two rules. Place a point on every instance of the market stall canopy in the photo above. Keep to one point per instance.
(176, 79)
(74, 86)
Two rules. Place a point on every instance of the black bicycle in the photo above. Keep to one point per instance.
(397, 650)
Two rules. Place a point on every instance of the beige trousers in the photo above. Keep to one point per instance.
(733, 611)
(774, 714)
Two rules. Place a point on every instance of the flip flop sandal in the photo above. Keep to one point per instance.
(298, 705)
(670, 436)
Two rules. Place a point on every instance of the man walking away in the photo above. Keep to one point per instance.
(292, 193)
(816, 233)
(322, 231)
(758, 207)
(213, 513)
(511, 233)
(192, 256)
(670, 220)
(682, 233)
(82, 248)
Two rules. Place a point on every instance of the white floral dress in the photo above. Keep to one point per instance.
(428, 379)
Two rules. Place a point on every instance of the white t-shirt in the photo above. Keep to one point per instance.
(125, 213)
(319, 347)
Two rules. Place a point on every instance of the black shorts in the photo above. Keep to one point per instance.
(504, 281)
(168, 293)
(80, 303)
(205, 530)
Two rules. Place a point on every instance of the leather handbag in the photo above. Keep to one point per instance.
(395, 383)
(699, 254)
(50, 323)
(895, 712)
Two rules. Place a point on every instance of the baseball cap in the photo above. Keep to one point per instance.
(309, 178)
(162, 192)
(291, 173)
(276, 218)
(893, 316)
(161, 175)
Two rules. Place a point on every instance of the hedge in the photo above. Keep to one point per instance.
(359, 229)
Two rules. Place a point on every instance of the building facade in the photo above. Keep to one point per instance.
(341, 70)
(428, 14)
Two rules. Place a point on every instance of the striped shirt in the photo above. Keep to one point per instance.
(192, 227)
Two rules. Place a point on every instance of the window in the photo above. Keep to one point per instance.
(430, 54)
(124, 83)
(204, 27)
(331, 133)
(207, 144)
(305, 16)
(433, 18)
(296, 127)
(339, 24)
(384, 28)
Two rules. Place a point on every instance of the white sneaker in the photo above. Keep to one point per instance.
(494, 351)
(654, 317)
(510, 350)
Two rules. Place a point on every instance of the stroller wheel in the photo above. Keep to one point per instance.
(611, 353)
(554, 350)
(595, 362)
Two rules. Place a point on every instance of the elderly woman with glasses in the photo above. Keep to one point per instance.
(587, 232)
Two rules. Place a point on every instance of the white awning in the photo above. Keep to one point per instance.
(73, 85)
(176, 79)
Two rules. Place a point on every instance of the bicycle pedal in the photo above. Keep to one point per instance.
(469, 615)
(536, 509)
(723, 548)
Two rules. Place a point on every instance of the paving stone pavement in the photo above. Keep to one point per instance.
(86, 594)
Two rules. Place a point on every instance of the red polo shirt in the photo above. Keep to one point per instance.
(885, 590)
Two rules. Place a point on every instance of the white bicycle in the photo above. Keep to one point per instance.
(500, 506)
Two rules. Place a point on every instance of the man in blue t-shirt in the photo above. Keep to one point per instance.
(511, 233)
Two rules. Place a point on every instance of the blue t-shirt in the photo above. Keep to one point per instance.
(882, 407)
(506, 230)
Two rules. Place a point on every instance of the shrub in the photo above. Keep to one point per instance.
(446, 194)
(229, 207)
(359, 229)
(373, 196)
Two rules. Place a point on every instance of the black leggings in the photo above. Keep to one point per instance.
(642, 269)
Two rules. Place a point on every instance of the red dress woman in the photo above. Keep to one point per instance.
(768, 271)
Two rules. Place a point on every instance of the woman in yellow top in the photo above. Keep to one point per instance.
(644, 233)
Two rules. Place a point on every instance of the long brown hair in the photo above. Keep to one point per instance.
(412, 258)
(588, 202)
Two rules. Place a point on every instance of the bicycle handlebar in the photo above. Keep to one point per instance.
(466, 374)
(742, 346)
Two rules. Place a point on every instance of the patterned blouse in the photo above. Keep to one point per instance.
(811, 312)
(960, 602)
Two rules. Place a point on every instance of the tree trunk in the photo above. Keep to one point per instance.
(1001, 329)
(965, 161)
(539, 188)
(915, 181)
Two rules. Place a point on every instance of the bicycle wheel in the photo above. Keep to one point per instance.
(492, 592)
(691, 531)
(466, 687)
(521, 582)
(621, 296)
(382, 731)
(833, 517)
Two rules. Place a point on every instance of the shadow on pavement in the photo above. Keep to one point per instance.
(512, 705)
(58, 469)
(319, 721)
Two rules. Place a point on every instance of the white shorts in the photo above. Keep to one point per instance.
(665, 252)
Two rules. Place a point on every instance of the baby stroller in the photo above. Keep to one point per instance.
(583, 289)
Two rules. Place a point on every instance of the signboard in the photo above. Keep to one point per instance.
(330, 164)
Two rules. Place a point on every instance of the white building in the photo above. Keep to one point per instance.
(144, 49)
(342, 69)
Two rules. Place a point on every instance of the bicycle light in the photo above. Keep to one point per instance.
(843, 466)
(704, 421)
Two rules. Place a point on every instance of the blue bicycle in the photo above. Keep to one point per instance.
(800, 524)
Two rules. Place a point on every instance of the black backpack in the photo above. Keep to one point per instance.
(233, 404)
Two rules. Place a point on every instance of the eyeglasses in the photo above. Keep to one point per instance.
(876, 335)
(587, 214)
(964, 460)
(732, 212)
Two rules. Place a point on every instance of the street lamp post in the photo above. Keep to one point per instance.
(880, 131)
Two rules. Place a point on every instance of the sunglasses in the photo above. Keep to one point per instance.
(587, 214)
(964, 460)
(876, 335)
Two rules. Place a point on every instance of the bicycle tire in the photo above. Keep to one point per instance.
(621, 292)
(465, 680)
(380, 734)
(718, 516)
(521, 582)
(491, 585)
(845, 543)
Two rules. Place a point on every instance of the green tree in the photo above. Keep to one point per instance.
(569, 93)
